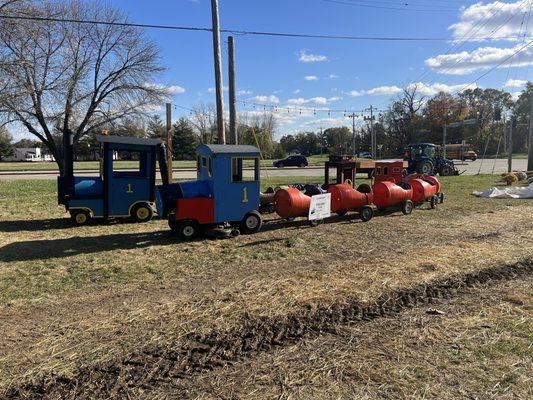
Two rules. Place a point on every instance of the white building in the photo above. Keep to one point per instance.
(29, 154)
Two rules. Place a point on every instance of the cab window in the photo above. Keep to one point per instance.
(240, 174)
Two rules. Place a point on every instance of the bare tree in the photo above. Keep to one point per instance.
(60, 78)
(5, 4)
(203, 119)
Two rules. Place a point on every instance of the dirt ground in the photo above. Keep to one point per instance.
(118, 310)
(477, 344)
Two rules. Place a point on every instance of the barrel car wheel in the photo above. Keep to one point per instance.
(407, 207)
(366, 213)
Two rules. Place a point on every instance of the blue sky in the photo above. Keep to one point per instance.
(341, 74)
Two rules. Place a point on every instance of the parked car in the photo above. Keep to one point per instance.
(292, 161)
(365, 154)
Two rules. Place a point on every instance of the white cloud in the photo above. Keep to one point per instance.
(171, 89)
(212, 89)
(304, 57)
(424, 89)
(496, 19)
(515, 83)
(265, 99)
(333, 76)
(515, 95)
(356, 93)
(378, 91)
(314, 100)
(482, 58)
(297, 91)
(384, 91)
(433, 89)
(242, 92)
(311, 78)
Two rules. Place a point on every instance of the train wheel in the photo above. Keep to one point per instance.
(251, 223)
(186, 230)
(407, 207)
(433, 201)
(142, 213)
(366, 213)
(80, 217)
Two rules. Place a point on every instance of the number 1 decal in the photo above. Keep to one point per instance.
(245, 195)
(130, 188)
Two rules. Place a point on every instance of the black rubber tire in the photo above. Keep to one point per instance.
(251, 223)
(442, 197)
(280, 165)
(424, 167)
(186, 230)
(364, 188)
(407, 207)
(80, 217)
(302, 165)
(433, 201)
(366, 213)
(142, 213)
(446, 171)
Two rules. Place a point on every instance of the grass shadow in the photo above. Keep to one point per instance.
(35, 225)
(60, 248)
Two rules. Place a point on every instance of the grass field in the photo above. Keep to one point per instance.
(130, 307)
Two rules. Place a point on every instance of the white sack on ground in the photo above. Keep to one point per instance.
(510, 192)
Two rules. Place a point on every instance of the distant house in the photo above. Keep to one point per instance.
(33, 154)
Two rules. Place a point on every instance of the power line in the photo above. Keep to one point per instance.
(234, 31)
(390, 8)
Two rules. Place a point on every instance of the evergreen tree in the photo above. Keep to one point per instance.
(183, 140)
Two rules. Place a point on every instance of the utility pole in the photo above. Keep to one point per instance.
(530, 142)
(232, 92)
(373, 142)
(510, 146)
(444, 141)
(353, 133)
(169, 141)
(218, 73)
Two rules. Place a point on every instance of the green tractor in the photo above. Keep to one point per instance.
(423, 158)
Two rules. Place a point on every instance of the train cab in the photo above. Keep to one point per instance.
(227, 191)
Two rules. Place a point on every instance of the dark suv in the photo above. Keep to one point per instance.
(292, 161)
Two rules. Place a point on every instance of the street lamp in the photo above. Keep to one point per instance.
(457, 124)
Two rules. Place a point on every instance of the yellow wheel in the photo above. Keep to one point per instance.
(142, 213)
(80, 217)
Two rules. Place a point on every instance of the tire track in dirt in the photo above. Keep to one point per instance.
(139, 372)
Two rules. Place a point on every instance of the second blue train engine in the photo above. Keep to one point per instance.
(226, 192)
(114, 193)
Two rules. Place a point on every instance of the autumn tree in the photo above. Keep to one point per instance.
(61, 78)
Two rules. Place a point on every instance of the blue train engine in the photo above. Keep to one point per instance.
(226, 193)
(114, 193)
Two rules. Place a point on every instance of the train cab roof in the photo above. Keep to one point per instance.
(128, 140)
(227, 150)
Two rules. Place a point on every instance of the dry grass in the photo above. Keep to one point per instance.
(79, 296)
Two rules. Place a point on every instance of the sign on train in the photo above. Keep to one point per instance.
(320, 207)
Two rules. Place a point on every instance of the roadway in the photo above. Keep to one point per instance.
(469, 168)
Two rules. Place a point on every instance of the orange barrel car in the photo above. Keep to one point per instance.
(425, 188)
(345, 198)
(388, 194)
(291, 203)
